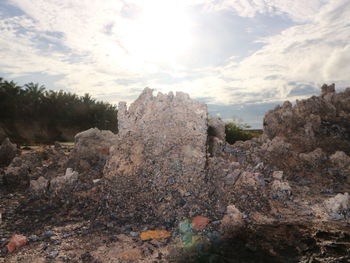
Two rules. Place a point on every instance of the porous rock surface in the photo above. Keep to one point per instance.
(156, 168)
(320, 121)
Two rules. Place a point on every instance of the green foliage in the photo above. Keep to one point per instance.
(236, 131)
(53, 110)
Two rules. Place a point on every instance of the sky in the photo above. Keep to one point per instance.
(241, 57)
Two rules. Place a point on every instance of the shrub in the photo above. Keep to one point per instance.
(236, 132)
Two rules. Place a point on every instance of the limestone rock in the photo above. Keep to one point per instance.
(158, 162)
(38, 187)
(16, 176)
(278, 175)
(341, 159)
(233, 220)
(281, 190)
(338, 206)
(64, 183)
(8, 151)
(315, 122)
(91, 149)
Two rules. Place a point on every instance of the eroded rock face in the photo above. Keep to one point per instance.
(157, 166)
(322, 121)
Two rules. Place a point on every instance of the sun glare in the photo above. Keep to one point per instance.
(160, 33)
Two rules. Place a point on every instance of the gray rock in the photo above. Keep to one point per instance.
(8, 151)
(313, 122)
(33, 238)
(38, 187)
(91, 149)
(134, 234)
(216, 128)
(48, 234)
(64, 183)
(53, 254)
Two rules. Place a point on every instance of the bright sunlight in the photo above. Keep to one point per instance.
(160, 33)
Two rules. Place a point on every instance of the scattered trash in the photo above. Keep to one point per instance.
(16, 242)
(200, 222)
(154, 234)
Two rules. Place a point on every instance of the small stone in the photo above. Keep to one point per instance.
(53, 254)
(278, 175)
(96, 181)
(33, 238)
(134, 234)
(45, 246)
(48, 234)
(66, 235)
(57, 242)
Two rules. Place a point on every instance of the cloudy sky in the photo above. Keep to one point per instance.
(242, 57)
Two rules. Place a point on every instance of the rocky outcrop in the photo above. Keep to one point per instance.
(156, 168)
(8, 151)
(322, 122)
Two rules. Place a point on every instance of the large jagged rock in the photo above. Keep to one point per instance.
(8, 151)
(322, 121)
(156, 169)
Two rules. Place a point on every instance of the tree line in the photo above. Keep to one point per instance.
(52, 110)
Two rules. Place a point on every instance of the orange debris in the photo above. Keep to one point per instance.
(200, 222)
(154, 234)
(15, 242)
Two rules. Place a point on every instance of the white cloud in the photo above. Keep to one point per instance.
(312, 52)
(298, 10)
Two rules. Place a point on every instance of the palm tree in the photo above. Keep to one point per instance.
(35, 89)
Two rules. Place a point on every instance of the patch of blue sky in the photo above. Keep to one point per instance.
(7, 10)
(251, 114)
(39, 77)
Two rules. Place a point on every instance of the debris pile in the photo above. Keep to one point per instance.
(168, 186)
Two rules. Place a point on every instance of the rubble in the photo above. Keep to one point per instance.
(275, 197)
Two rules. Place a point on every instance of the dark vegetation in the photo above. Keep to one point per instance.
(236, 131)
(33, 114)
